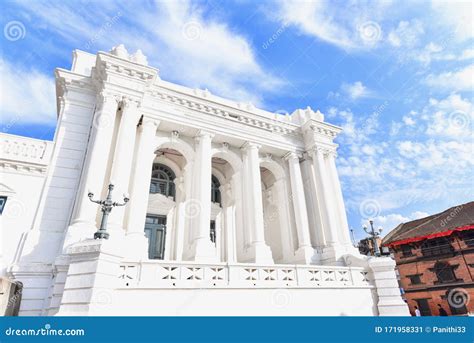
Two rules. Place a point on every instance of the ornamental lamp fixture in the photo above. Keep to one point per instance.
(373, 236)
(106, 207)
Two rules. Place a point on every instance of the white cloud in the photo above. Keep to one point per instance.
(349, 28)
(356, 90)
(462, 79)
(456, 17)
(467, 54)
(189, 45)
(391, 221)
(353, 91)
(26, 96)
(407, 34)
(450, 117)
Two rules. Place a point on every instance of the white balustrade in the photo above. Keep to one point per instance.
(162, 274)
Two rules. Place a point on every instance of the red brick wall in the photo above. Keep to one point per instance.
(429, 288)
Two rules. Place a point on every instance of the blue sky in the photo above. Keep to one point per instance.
(398, 77)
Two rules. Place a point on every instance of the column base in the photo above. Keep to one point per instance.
(92, 278)
(261, 253)
(137, 246)
(203, 250)
(306, 255)
(77, 232)
(334, 255)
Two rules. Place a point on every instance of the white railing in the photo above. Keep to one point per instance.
(25, 149)
(161, 274)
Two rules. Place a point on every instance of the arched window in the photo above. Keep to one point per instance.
(215, 192)
(162, 180)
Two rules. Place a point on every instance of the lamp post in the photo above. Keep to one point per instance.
(106, 207)
(373, 235)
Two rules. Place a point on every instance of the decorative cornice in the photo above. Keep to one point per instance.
(197, 103)
(110, 64)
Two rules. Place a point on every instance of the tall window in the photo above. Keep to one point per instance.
(215, 192)
(444, 272)
(213, 231)
(436, 246)
(162, 180)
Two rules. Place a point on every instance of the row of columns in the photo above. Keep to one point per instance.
(328, 207)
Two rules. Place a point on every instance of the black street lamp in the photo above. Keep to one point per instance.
(373, 235)
(106, 207)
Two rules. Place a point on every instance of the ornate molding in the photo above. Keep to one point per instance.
(239, 115)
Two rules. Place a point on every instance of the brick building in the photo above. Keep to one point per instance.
(435, 259)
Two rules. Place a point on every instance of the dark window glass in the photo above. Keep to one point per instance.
(3, 201)
(444, 272)
(406, 250)
(468, 237)
(213, 231)
(215, 192)
(162, 180)
(155, 231)
(424, 307)
(415, 279)
(437, 246)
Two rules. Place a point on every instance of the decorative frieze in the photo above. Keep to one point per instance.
(228, 113)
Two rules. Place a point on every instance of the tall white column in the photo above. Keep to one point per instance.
(84, 224)
(122, 163)
(228, 208)
(179, 218)
(202, 249)
(323, 184)
(343, 226)
(137, 245)
(305, 251)
(260, 252)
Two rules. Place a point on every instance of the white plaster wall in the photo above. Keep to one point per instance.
(240, 302)
(19, 211)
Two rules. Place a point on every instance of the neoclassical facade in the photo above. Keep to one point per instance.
(233, 210)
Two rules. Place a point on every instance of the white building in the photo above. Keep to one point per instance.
(233, 210)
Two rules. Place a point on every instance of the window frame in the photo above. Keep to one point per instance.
(162, 180)
(3, 203)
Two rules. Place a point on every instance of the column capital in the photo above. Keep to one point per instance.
(129, 103)
(105, 98)
(202, 134)
(323, 150)
(147, 121)
(291, 155)
(250, 145)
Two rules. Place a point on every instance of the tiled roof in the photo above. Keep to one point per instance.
(451, 219)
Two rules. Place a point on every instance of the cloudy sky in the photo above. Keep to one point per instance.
(397, 77)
